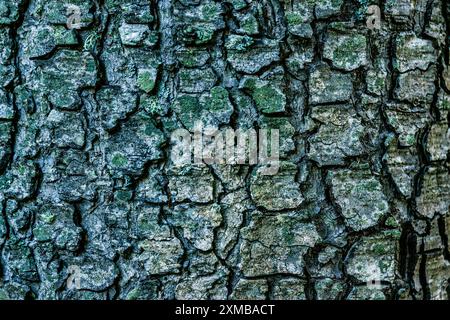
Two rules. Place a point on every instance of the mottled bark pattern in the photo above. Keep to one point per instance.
(90, 93)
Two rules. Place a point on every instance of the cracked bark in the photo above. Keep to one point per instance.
(375, 189)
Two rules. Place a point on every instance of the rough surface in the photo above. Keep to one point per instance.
(92, 207)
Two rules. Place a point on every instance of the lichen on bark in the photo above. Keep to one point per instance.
(358, 210)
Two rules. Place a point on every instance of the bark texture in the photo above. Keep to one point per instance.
(90, 92)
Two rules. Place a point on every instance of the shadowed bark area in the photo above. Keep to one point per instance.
(93, 207)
